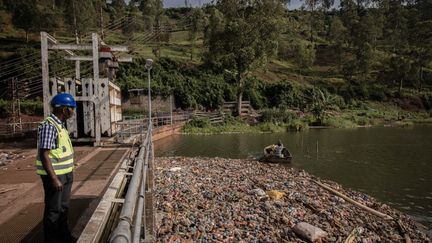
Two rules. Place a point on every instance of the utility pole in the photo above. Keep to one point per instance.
(148, 66)
(171, 108)
(101, 20)
(75, 22)
(77, 66)
(45, 72)
(158, 37)
(16, 107)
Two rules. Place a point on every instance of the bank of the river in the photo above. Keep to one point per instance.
(267, 127)
(277, 120)
(216, 199)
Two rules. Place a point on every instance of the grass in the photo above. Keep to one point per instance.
(236, 125)
(203, 126)
(366, 114)
(376, 113)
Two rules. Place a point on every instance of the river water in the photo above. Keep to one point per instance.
(391, 164)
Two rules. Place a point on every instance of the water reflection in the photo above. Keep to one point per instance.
(392, 164)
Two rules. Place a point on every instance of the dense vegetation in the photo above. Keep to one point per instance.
(321, 60)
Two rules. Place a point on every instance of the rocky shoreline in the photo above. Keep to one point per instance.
(232, 200)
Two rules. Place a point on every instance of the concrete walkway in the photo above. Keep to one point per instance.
(21, 192)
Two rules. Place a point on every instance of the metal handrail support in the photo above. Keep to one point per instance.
(122, 233)
(141, 201)
(149, 226)
(148, 199)
(133, 211)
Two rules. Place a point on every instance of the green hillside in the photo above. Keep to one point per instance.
(317, 61)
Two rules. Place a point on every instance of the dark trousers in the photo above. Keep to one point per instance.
(55, 221)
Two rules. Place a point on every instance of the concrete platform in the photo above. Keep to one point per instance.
(21, 204)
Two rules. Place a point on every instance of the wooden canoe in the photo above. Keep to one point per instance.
(270, 158)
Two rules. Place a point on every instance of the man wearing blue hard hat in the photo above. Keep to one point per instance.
(54, 164)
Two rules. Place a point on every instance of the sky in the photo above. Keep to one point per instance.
(181, 3)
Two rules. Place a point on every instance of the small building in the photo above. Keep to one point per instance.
(138, 100)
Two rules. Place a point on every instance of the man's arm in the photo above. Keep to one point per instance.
(46, 163)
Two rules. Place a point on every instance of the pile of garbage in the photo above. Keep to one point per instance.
(218, 199)
(6, 157)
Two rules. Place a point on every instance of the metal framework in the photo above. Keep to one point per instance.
(16, 107)
(98, 95)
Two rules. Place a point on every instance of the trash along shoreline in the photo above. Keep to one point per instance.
(235, 200)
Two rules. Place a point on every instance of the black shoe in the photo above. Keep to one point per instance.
(71, 239)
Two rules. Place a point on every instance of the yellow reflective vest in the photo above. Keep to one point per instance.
(62, 158)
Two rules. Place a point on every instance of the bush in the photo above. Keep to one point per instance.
(426, 99)
(298, 125)
(230, 120)
(199, 122)
(284, 93)
(31, 107)
(28, 107)
(271, 127)
(254, 92)
(377, 93)
(339, 122)
(277, 115)
(134, 112)
(5, 108)
(191, 85)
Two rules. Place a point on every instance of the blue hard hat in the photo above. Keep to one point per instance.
(63, 99)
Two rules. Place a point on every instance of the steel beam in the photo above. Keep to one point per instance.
(45, 72)
(77, 47)
(89, 58)
(83, 47)
(96, 83)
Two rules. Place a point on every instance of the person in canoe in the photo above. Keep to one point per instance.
(274, 149)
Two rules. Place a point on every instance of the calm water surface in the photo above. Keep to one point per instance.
(393, 165)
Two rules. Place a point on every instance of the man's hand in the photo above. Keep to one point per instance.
(56, 184)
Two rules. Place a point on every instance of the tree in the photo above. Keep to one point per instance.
(117, 10)
(34, 16)
(398, 69)
(151, 11)
(118, 5)
(314, 19)
(350, 17)
(395, 29)
(425, 9)
(337, 35)
(320, 102)
(26, 16)
(197, 21)
(304, 55)
(134, 22)
(80, 16)
(241, 36)
(420, 39)
(5, 15)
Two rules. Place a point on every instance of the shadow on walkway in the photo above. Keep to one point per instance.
(27, 225)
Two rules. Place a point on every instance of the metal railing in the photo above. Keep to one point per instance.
(136, 220)
(19, 127)
(125, 129)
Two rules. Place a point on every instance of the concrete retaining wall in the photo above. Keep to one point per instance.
(167, 130)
